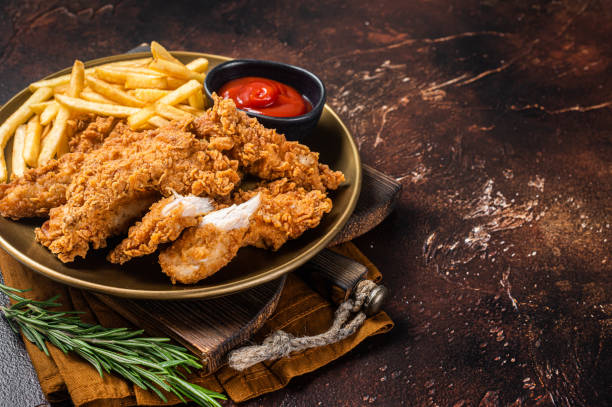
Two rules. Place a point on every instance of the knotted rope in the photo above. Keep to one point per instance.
(280, 344)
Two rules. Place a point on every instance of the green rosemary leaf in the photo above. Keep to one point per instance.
(119, 349)
(104, 333)
(152, 377)
(158, 392)
(195, 392)
(92, 360)
(171, 363)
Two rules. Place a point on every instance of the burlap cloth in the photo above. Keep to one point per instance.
(301, 311)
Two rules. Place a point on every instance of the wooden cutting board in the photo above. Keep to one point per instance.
(210, 328)
(207, 328)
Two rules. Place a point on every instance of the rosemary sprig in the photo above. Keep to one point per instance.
(150, 363)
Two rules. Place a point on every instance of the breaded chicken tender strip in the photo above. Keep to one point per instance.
(261, 151)
(43, 188)
(203, 250)
(125, 172)
(286, 212)
(267, 217)
(163, 223)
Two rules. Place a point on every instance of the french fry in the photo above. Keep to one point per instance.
(45, 131)
(19, 164)
(31, 147)
(191, 110)
(113, 93)
(130, 62)
(52, 83)
(58, 129)
(198, 65)
(2, 166)
(139, 119)
(117, 74)
(171, 112)
(159, 51)
(138, 80)
(57, 135)
(38, 108)
(61, 89)
(63, 79)
(181, 93)
(174, 83)
(62, 147)
(104, 109)
(175, 69)
(49, 113)
(77, 79)
(148, 95)
(197, 100)
(138, 69)
(158, 121)
(92, 96)
(110, 75)
(21, 115)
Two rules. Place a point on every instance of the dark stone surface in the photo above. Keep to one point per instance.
(495, 117)
(18, 381)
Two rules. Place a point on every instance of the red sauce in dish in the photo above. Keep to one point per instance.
(265, 96)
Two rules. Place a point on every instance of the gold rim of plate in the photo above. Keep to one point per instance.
(17, 237)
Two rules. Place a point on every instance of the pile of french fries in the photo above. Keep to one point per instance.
(148, 92)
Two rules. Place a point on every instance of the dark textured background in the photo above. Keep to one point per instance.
(495, 117)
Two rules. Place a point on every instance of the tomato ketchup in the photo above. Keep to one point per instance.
(265, 96)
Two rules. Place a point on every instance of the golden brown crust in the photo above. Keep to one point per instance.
(40, 189)
(154, 229)
(285, 213)
(128, 166)
(263, 152)
(90, 131)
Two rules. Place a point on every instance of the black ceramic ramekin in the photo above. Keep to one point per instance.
(305, 82)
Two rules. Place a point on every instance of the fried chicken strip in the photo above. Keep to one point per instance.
(126, 171)
(261, 151)
(163, 223)
(286, 212)
(204, 249)
(267, 217)
(43, 188)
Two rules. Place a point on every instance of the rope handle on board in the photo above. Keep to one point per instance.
(368, 300)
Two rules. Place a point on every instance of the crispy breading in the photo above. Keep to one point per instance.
(163, 223)
(89, 132)
(263, 152)
(286, 212)
(124, 171)
(40, 189)
(283, 211)
(43, 188)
